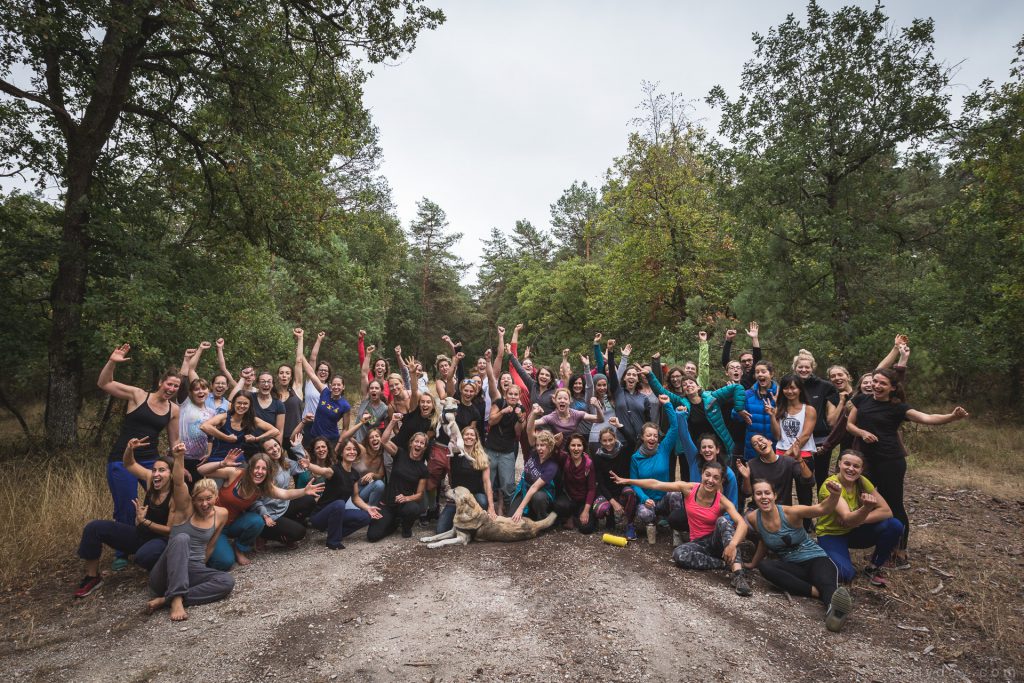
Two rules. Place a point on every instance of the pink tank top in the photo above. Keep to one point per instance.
(702, 519)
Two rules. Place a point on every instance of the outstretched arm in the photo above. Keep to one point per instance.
(116, 389)
(221, 363)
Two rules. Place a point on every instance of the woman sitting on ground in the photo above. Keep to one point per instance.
(472, 471)
(147, 538)
(278, 524)
(181, 577)
(614, 502)
(535, 492)
(862, 519)
(803, 568)
(243, 486)
(370, 465)
(406, 488)
(340, 510)
(716, 527)
(579, 487)
(650, 463)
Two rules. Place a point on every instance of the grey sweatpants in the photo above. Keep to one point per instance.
(706, 552)
(175, 575)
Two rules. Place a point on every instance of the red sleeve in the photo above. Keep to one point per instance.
(361, 348)
(514, 351)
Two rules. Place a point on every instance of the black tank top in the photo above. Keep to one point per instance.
(157, 514)
(139, 424)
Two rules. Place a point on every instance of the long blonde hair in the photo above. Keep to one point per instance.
(478, 455)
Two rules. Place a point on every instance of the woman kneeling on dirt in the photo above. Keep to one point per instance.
(147, 538)
(716, 527)
(535, 491)
(402, 503)
(803, 568)
(181, 577)
(650, 463)
(862, 519)
(471, 470)
(579, 487)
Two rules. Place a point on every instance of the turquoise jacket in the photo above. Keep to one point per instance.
(711, 407)
(655, 466)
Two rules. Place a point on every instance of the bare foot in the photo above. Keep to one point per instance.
(178, 612)
(241, 557)
(155, 604)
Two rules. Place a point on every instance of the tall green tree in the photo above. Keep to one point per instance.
(831, 108)
(95, 94)
(573, 219)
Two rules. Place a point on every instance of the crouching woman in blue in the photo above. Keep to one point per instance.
(803, 568)
(651, 462)
(861, 519)
(340, 511)
(403, 496)
(145, 539)
(181, 577)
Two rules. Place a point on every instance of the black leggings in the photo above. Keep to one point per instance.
(805, 495)
(300, 509)
(887, 476)
(797, 578)
(284, 530)
(822, 465)
(391, 516)
(565, 508)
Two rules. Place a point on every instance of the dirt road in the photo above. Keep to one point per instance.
(564, 607)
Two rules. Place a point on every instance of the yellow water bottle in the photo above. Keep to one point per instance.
(612, 539)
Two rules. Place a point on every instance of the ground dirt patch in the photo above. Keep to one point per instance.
(562, 607)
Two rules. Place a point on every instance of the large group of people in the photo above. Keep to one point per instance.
(635, 445)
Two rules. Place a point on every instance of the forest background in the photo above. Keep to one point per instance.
(219, 176)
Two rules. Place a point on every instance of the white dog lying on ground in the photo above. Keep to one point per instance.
(473, 523)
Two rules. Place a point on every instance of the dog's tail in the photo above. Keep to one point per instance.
(547, 522)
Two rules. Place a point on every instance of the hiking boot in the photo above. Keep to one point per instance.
(119, 564)
(88, 585)
(876, 576)
(838, 610)
(677, 538)
(630, 532)
(652, 533)
(340, 546)
(898, 562)
(740, 584)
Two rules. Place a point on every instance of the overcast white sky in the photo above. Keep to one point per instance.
(499, 110)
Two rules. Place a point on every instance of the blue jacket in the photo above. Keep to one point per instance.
(711, 408)
(761, 423)
(655, 466)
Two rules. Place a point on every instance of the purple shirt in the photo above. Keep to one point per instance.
(534, 469)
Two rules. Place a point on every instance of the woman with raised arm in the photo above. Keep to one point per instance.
(180, 577)
(875, 419)
(541, 390)
(324, 372)
(147, 538)
(472, 471)
(818, 394)
(238, 428)
(370, 465)
(505, 425)
(288, 389)
(716, 527)
(793, 420)
(565, 421)
(802, 567)
(340, 511)
(862, 519)
(406, 488)
(148, 414)
(372, 369)
(630, 405)
(650, 462)
(278, 524)
(748, 358)
(332, 407)
(243, 486)
(266, 406)
(193, 412)
(762, 394)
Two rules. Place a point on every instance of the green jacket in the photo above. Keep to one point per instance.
(711, 408)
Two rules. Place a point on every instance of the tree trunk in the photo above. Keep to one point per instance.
(63, 395)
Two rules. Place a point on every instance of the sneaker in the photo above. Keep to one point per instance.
(88, 585)
(876, 576)
(340, 546)
(899, 561)
(119, 564)
(630, 532)
(740, 584)
(677, 538)
(838, 610)
(663, 523)
(652, 533)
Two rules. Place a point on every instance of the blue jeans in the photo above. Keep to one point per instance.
(123, 538)
(503, 475)
(245, 530)
(124, 488)
(883, 536)
(338, 521)
(446, 519)
(372, 492)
